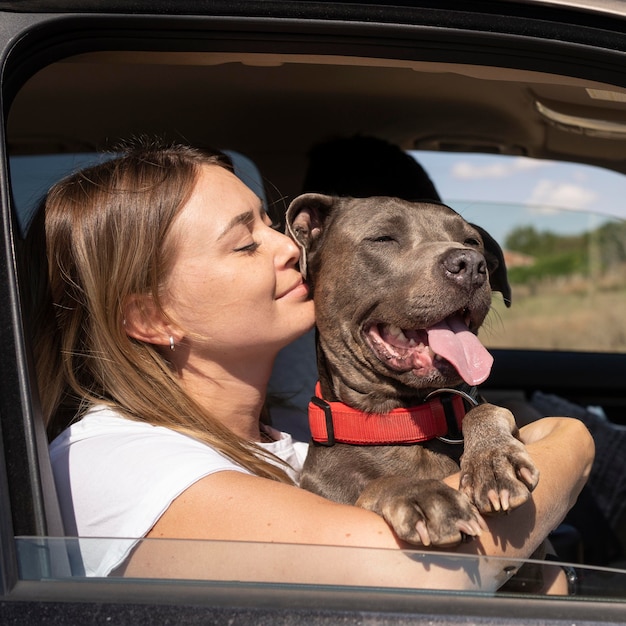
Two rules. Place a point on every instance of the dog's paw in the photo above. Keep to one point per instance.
(423, 512)
(498, 477)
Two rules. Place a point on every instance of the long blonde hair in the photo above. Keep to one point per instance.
(106, 238)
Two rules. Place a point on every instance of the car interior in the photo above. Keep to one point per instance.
(269, 94)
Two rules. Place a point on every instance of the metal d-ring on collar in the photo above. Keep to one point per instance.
(466, 396)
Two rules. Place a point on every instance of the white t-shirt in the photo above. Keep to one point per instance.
(115, 477)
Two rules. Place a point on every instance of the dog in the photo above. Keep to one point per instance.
(401, 290)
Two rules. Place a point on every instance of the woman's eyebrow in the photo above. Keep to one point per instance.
(244, 219)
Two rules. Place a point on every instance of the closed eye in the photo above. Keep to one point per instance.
(251, 247)
(381, 239)
(471, 241)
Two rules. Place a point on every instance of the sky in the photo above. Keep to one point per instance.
(501, 193)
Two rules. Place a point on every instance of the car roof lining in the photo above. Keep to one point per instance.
(415, 103)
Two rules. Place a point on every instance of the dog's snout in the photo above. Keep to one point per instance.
(466, 267)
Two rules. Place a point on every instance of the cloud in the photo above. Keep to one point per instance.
(466, 170)
(554, 194)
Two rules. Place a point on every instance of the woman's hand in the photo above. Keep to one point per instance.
(563, 451)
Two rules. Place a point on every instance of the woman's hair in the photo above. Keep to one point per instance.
(106, 234)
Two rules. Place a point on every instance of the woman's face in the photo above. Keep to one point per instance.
(234, 289)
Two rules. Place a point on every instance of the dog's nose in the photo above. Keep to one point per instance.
(466, 267)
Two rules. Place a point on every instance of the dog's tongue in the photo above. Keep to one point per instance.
(452, 340)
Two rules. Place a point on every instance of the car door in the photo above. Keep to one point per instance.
(77, 76)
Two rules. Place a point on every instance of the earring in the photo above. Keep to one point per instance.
(172, 343)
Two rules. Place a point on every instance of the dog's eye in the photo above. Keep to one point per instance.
(381, 239)
(471, 241)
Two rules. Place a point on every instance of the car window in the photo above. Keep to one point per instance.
(562, 230)
(563, 245)
(565, 254)
(249, 562)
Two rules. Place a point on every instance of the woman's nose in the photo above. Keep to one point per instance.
(289, 252)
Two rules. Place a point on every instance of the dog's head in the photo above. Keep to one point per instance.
(400, 288)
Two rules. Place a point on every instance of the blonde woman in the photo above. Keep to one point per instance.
(170, 295)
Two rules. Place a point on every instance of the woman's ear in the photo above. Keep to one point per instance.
(145, 321)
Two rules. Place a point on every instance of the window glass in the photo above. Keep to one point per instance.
(564, 237)
(562, 230)
(247, 562)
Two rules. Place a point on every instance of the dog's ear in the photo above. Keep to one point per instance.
(498, 278)
(305, 222)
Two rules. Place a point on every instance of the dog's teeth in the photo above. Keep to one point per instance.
(412, 342)
(396, 331)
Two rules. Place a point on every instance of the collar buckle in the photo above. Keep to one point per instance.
(328, 417)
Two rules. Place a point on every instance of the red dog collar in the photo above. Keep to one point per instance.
(336, 422)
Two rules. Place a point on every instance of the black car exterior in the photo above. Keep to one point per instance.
(37, 584)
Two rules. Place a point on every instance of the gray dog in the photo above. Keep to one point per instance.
(400, 291)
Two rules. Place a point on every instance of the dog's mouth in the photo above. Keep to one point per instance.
(421, 349)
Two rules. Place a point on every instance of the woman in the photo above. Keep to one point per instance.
(170, 296)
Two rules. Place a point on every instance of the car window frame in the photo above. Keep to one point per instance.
(18, 415)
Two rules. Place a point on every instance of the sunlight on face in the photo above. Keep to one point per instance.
(235, 288)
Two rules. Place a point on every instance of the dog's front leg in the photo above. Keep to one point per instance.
(422, 512)
(497, 473)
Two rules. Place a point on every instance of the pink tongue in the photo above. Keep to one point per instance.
(452, 340)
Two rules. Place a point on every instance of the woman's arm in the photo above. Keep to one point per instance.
(563, 450)
(238, 507)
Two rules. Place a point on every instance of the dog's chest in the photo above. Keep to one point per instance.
(429, 460)
(340, 472)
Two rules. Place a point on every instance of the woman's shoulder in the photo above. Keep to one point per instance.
(105, 431)
(103, 436)
(99, 420)
(116, 476)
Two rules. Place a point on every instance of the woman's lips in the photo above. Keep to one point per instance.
(299, 290)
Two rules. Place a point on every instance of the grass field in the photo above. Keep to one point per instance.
(570, 314)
